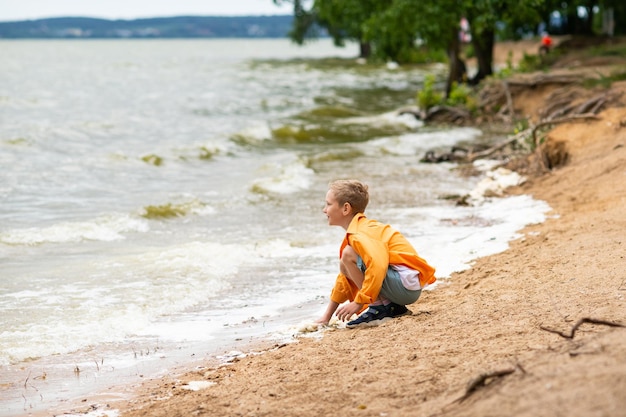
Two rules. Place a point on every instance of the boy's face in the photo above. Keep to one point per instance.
(335, 213)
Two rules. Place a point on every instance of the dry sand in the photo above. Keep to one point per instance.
(480, 343)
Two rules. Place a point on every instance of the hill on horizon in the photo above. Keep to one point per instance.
(276, 26)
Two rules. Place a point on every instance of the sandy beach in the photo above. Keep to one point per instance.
(484, 342)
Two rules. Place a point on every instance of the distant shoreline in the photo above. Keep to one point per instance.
(176, 27)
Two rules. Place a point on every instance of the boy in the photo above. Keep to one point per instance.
(378, 266)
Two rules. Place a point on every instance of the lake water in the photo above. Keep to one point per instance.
(162, 199)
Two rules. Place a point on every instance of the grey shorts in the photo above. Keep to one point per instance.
(393, 289)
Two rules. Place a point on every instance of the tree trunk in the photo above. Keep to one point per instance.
(365, 49)
(456, 66)
(483, 43)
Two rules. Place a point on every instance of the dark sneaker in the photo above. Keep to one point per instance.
(373, 316)
(397, 310)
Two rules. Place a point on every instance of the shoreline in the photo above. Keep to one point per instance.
(99, 376)
(52, 388)
(106, 375)
(95, 378)
(488, 324)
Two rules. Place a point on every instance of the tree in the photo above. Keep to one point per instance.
(389, 29)
(343, 19)
(486, 15)
(347, 19)
(435, 23)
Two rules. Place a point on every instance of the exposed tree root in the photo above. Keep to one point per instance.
(483, 380)
(566, 104)
(578, 324)
(576, 117)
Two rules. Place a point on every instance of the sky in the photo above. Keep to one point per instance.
(11, 10)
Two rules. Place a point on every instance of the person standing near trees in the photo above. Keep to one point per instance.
(378, 266)
(546, 43)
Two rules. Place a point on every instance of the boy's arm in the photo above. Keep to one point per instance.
(330, 310)
(375, 256)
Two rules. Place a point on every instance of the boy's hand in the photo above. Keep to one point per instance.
(345, 312)
(330, 310)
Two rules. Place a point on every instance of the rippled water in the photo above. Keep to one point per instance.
(154, 193)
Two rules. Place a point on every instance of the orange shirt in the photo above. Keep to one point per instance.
(379, 245)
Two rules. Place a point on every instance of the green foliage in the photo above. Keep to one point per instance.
(604, 81)
(399, 30)
(530, 63)
(425, 55)
(527, 142)
(521, 125)
(608, 50)
(508, 70)
(461, 95)
(427, 97)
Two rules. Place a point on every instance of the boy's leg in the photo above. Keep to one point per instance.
(393, 294)
(352, 266)
(377, 311)
(348, 266)
(394, 290)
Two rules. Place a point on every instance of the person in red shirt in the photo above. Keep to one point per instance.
(546, 43)
(378, 266)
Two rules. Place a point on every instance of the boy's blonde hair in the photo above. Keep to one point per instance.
(351, 191)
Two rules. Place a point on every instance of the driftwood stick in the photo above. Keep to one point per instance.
(454, 112)
(477, 155)
(482, 380)
(545, 79)
(579, 323)
(576, 117)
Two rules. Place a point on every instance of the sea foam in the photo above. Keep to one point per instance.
(105, 228)
(283, 179)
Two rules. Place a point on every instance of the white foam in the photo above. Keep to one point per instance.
(494, 184)
(472, 232)
(276, 248)
(284, 178)
(257, 133)
(392, 118)
(414, 143)
(140, 288)
(106, 228)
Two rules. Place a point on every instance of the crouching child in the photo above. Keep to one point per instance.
(378, 268)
